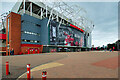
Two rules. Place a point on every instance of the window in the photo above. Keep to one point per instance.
(28, 40)
(31, 40)
(37, 25)
(35, 41)
(32, 33)
(54, 31)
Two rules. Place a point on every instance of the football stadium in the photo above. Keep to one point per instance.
(38, 27)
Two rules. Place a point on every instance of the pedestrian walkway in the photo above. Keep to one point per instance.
(79, 65)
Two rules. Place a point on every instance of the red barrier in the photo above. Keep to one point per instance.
(28, 51)
(33, 51)
(28, 71)
(44, 73)
(38, 51)
(7, 68)
(20, 53)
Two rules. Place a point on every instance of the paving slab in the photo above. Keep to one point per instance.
(80, 65)
(18, 63)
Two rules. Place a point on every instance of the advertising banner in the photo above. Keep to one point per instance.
(65, 35)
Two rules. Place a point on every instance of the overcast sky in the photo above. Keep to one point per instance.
(104, 16)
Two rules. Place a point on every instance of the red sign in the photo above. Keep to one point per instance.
(2, 36)
(53, 50)
(113, 47)
(31, 45)
(76, 27)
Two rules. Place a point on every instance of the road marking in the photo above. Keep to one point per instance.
(46, 66)
(41, 67)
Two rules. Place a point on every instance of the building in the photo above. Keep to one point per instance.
(2, 42)
(34, 27)
(116, 45)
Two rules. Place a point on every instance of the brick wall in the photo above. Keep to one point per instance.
(14, 32)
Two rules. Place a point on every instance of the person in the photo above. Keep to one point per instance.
(12, 51)
(110, 50)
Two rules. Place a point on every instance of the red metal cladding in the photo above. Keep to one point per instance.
(76, 27)
(30, 45)
(2, 36)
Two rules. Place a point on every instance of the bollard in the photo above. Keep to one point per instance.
(7, 68)
(44, 73)
(28, 71)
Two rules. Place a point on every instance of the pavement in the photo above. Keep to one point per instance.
(92, 64)
(19, 63)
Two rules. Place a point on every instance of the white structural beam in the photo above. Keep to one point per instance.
(57, 17)
(70, 13)
(28, 7)
(24, 6)
(46, 11)
(41, 13)
(31, 8)
(49, 17)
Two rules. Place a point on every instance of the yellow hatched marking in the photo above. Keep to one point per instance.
(45, 66)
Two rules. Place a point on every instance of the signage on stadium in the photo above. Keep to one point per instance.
(76, 27)
(2, 36)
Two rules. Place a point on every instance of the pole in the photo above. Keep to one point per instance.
(7, 68)
(44, 73)
(28, 71)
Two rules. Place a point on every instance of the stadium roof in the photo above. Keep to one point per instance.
(58, 11)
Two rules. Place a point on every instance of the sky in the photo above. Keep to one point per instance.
(104, 16)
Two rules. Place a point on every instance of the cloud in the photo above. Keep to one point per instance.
(105, 17)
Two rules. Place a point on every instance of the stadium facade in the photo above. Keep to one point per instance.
(33, 27)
